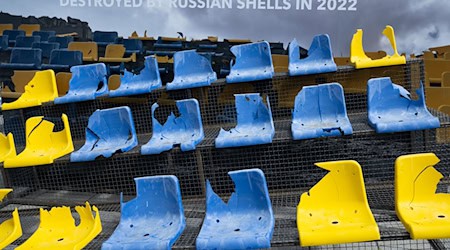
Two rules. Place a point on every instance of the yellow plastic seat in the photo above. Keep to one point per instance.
(62, 82)
(336, 210)
(173, 39)
(280, 63)
(115, 52)
(113, 82)
(58, 231)
(20, 79)
(437, 72)
(42, 144)
(425, 214)
(5, 26)
(3, 193)
(437, 96)
(7, 149)
(89, 50)
(10, 230)
(29, 28)
(42, 88)
(361, 60)
(164, 59)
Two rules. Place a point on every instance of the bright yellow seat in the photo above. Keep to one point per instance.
(361, 60)
(7, 149)
(4, 192)
(115, 53)
(42, 144)
(425, 214)
(29, 28)
(336, 210)
(58, 231)
(10, 230)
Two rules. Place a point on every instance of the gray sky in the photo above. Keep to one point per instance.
(418, 24)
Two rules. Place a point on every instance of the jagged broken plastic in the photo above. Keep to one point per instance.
(361, 60)
(87, 83)
(43, 145)
(4, 192)
(57, 229)
(336, 210)
(319, 60)
(185, 130)
(191, 71)
(145, 82)
(42, 88)
(10, 230)
(245, 222)
(254, 123)
(154, 219)
(424, 213)
(108, 131)
(320, 111)
(253, 63)
(7, 146)
(391, 108)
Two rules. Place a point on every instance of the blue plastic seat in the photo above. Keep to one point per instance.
(3, 42)
(23, 59)
(254, 123)
(62, 60)
(62, 40)
(133, 46)
(44, 34)
(12, 34)
(191, 70)
(103, 38)
(87, 83)
(319, 60)
(245, 222)
(253, 63)
(391, 108)
(108, 131)
(46, 48)
(26, 41)
(320, 111)
(154, 219)
(147, 80)
(185, 130)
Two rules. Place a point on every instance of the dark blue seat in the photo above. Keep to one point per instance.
(161, 44)
(24, 58)
(62, 60)
(133, 46)
(62, 40)
(46, 48)
(44, 34)
(26, 41)
(104, 38)
(12, 34)
(3, 42)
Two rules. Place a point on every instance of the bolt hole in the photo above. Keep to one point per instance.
(237, 230)
(217, 220)
(61, 239)
(145, 235)
(334, 222)
(310, 215)
(416, 113)
(131, 225)
(170, 224)
(441, 216)
(260, 218)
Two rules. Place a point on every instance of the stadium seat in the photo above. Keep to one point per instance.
(63, 60)
(157, 203)
(12, 34)
(103, 38)
(4, 192)
(3, 42)
(23, 59)
(335, 210)
(62, 82)
(108, 131)
(246, 221)
(5, 26)
(62, 40)
(58, 230)
(115, 54)
(133, 46)
(46, 48)
(169, 43)
(26, 41)
(89, 50)
(185, 130)
(254, 123)
(7, 148)
(280, 63)
(29, 28)
(320, 111)
(19, 79)
(10, 229)
(44, 35)
(437, 72)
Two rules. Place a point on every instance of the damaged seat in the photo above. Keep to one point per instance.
(361, 60)
(88, 82)
(253, 63)
(145, 82)
(108, 131)
(154, 219)
(185, 130)
(43, 145)
(7, 147)
(391, 108)
(245, 222)
(319, 60)
(424, 213)
(57, 229)
(191, 71)
(336, 210)
(10, 229)
(254, 123)
(320, 111)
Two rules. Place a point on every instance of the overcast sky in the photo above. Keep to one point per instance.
(418, 24)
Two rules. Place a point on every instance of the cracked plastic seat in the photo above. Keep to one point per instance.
(145, 82)
(336, 210)
(4, 192)
(245, 222)
(319, 60)
(88, 82)
(42, 88)
(254, 123)
(320, 111)
(191, 71)
(57, 229)
(152, 220)
(361, 60)
(108, 131)
(10, 230)
(43, 145)
(185, 130)
(7, 147)
(253, 63)
(391, 108)
(424, 213)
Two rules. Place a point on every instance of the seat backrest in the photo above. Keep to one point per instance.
(26, 41)
(115, 51)
(89, 49)
(12, 34)
(105, 36)
(133, 44)
(66, 57)
(62, 40)
(29, 28)
(22, 78)
(44, 34)
(62, 82)
(19, 55)
(5, 26)
(3, 42)
(46, 48)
